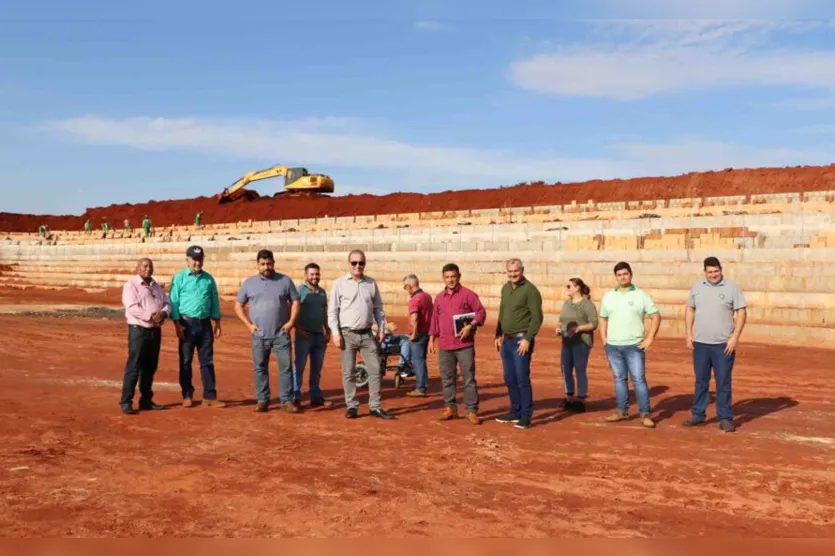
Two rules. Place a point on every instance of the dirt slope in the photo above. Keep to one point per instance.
(701, 184)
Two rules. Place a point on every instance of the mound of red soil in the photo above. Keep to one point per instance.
(697, 184)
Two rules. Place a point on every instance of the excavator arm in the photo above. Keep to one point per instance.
(240, 183)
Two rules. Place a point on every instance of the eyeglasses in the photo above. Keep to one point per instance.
(357, 263)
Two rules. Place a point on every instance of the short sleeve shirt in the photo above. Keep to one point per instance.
(269, 302)
(715, 306)
(625, 311)
(421, 303)
(312, 311)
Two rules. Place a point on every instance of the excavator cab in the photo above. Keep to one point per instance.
(294, 174)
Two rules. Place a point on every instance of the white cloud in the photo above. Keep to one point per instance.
(816, 129)
(427, 25)
(809, 103)
(391, 165)
(338, 145)
(775, 9)
(657, 57)
(697, 154)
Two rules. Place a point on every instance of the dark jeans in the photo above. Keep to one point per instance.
(517, 377)
(261, 348)
(448, 363)
(705, 357)
(198, 334)
(143, 357)
(575, 358)
(417, 353)
(313, 347)
(629, 361)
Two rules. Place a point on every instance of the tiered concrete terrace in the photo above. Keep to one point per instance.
(780, 248)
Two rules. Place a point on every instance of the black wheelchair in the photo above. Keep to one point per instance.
(389, 347)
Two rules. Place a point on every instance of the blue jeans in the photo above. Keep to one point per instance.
(312, 347)
(629, 361)
(261, 348)
(197, 335)
(517, 377)
(417, 353)
(575, 357)
(705, 357)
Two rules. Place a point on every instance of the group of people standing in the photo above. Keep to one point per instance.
(285, 319)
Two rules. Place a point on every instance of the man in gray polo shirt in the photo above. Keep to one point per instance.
(273, 308)
(356, 305)
(714, 319)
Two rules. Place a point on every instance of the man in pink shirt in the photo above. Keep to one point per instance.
(456, 316)
(146, 308)
(420, 316)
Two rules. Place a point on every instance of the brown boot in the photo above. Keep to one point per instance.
(187, 402)
(473, 418)
(616, 416)
(214, 403)
(416, 394)
(290, 407)
(449, 414)
(646, 420)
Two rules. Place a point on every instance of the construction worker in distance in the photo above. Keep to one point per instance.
(88, 226)
(128, 227)
(198, 219)
(146, 225)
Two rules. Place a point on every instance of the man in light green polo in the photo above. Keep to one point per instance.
(622, 330)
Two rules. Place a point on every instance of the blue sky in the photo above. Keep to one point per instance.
(101, 103)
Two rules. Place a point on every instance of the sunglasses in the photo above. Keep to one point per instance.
(357, 263)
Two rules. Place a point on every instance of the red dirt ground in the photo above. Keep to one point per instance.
(71, 465)
(701, 184)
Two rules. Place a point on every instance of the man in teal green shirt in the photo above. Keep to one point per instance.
(195, 312)
(622, 330)
(312, 336)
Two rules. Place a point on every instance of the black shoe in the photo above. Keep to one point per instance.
(524, 423)
(693, 422)
(509, 418)
(727, 426)
(579, 406)
(143, 406)
(129, 410)
(352, 413)
(381, 413)
(262, 407)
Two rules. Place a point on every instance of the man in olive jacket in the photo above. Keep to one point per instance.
(520, 317)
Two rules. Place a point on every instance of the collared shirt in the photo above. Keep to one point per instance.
(269, 301)
(625, 311)
(421, 303)
(715, 306)
(459, 301)
(194, 296)
(579, 314)
(520, 310)
(142, 300)
(355, 304)
(313, 310)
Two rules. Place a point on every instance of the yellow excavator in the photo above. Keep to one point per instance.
(296, 181)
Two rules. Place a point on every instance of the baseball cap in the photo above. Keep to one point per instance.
(195, 252)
